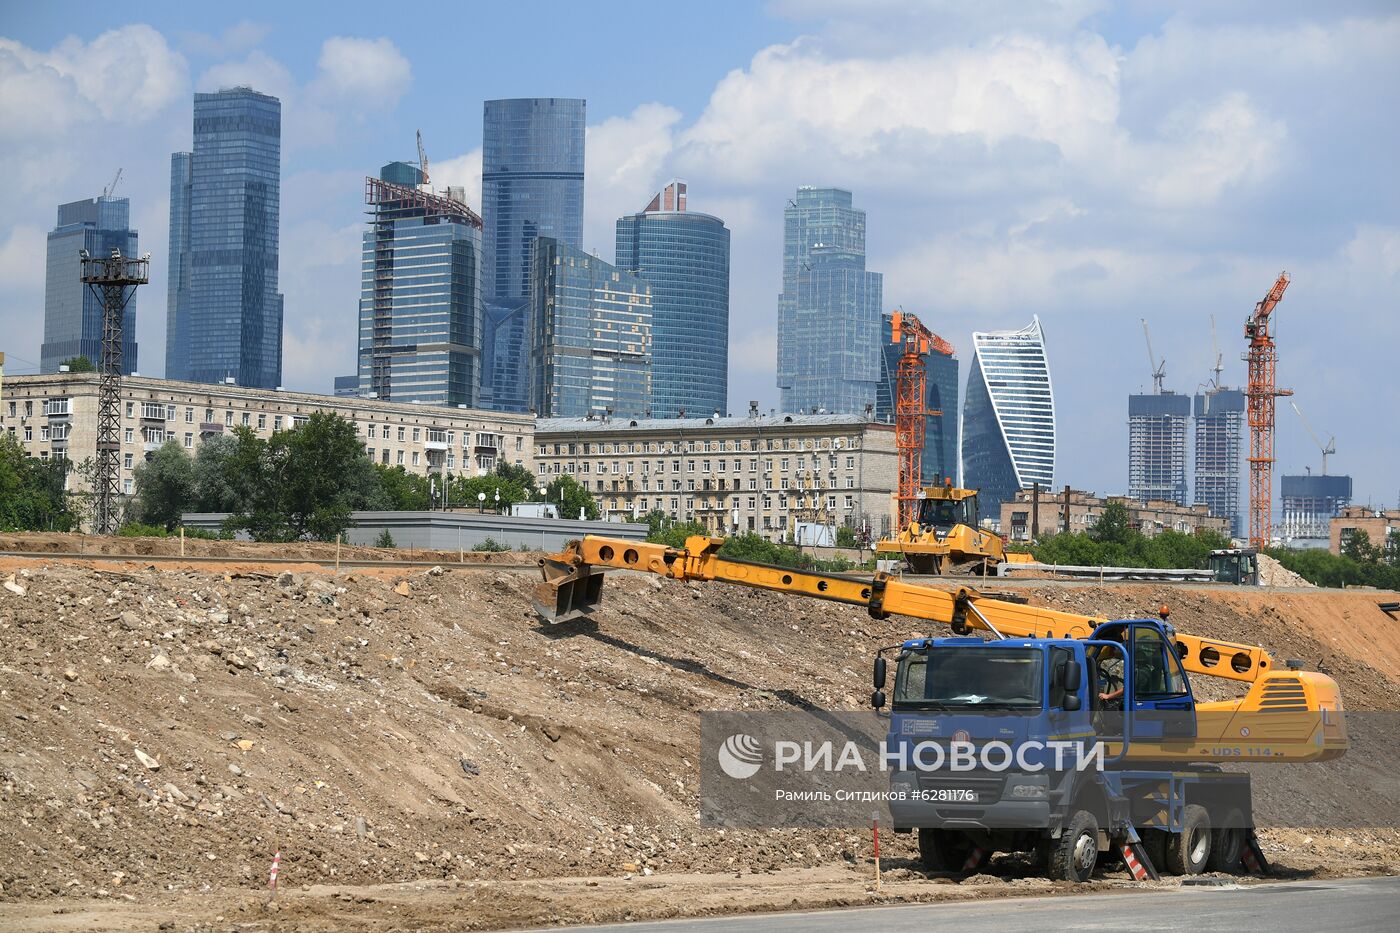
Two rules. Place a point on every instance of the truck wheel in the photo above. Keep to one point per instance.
(1155, 842)
(1073, 856)
(1227, 843)
(1189, 850)
(943, 850)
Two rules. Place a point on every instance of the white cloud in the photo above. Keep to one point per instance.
(625, 163)
(258, 70)
(463, 171)
(369, 72)
(239, 37)
(1207, 149)
(128, 73)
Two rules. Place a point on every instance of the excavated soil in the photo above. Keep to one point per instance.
(424, 755)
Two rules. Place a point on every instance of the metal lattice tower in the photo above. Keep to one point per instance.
(911, 411)
(1262, 358)
(113, 280)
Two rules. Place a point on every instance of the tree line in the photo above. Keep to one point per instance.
(298, 484)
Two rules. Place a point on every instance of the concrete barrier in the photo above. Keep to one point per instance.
(451, 531)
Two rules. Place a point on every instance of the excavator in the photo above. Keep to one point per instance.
(1156, 793)
(944, 537)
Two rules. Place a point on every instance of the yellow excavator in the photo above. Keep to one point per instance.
(1042, 675)
(944, 537)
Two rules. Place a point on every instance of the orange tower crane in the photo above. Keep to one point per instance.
(910, 414)
(1262, 359)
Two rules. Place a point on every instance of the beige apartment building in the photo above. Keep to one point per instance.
(1382, 527)
(763, 473)
(56, 416)
(1084, 509)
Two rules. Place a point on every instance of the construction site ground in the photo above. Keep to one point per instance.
(425, 756)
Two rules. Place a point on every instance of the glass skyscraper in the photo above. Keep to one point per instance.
(684, 257)
(531, 186)
(1008, 426)
(829, 310)
(224, 314)
(591, 352)
(72, 313)
(1157, 446)
(940, 460)
(1220, 419)
(420, 293)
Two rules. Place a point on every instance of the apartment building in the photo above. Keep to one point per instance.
(56, 416)
(764, 473)
(1082, 511)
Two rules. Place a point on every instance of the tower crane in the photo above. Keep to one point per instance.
(1159, 370)
(911, 398)
(111, 189)
(1262, 358)
(423, 160)
(1328, 448)
(1219, 367)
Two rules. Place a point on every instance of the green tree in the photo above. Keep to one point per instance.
(1358, 547)
(385, 539)
(846, 537)
(164, 486)
(571, 498)
(518, 475)
(226, 471)
(31, 491)
(403, 491)
(299, 491)
(79, 364)
(1112, 526)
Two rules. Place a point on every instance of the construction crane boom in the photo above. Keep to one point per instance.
(111, 189)
(1219, 367)
(422, 159)
(1328, 448)
(1261, 393)
(1159, 370)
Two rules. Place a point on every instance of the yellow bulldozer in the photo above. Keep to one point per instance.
(944, 537)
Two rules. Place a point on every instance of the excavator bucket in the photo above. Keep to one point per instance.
(570, 591)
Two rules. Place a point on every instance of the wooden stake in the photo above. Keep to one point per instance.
(337, 553)
(875, 830)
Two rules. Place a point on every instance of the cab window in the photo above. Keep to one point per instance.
(1156, 670)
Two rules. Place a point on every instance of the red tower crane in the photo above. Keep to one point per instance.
(1262, 359)
(910, 414)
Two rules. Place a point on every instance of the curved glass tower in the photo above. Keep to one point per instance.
(1008, 425)
(531, 186)
(684, 257)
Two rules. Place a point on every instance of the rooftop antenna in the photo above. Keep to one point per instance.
(1159, 370)
(111, 189)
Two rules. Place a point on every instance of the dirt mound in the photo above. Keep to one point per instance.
(171, 729)
(1272, 573)
(62, 543)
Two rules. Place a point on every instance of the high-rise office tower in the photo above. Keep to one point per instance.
(531, 186)
(224, 313)
(1008, 426)
(591, 351)
(1157, 446)
(684, 256)
(420, 292)
(72, 313)
(1219, 422)
(1309, 504)
(829, 310)
(940, 460)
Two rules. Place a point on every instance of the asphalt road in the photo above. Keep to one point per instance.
(1351, 904)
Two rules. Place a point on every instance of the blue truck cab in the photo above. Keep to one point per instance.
(1023, 744)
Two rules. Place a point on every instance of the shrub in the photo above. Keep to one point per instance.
(491, 545)
(385, 539)
(138, 530)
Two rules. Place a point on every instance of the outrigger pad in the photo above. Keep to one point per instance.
(569, 591)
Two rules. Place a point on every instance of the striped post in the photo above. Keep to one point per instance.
(272, 876)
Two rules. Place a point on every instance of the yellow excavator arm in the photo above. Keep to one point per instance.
(1286, 715)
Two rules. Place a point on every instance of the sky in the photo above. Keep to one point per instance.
(1093, 163)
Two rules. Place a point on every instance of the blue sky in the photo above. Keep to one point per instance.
(1092, 163)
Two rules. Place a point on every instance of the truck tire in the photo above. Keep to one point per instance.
(1227, 843)
(943, 850)
(1154, 841)
(1189, 850)
(1073, 856)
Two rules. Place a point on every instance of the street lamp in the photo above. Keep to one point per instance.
(498, 500)
(481, 502)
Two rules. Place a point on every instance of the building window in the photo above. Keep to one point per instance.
(208, 416)
(415, 456)
(189, 441)
(247, 419)
(401, 433)
(276, 422)
(126, 486)
(262, 421)
(126, 461)
(415, 435)
(850, 482)
(130, 435)
(850, 502)
(228, 419)
(384, 458)
(130, 409)
(399, 458)
(189, 416)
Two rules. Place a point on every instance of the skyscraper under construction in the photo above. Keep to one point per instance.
(1219, 419)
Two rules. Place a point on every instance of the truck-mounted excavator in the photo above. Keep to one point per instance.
(1043, 674)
